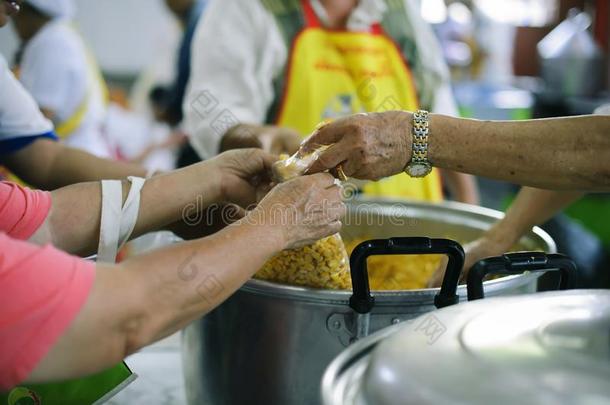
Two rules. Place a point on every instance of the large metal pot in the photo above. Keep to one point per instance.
(270, 343)
(547, 348)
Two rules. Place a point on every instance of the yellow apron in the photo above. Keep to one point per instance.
(334, 73)
(65, 128)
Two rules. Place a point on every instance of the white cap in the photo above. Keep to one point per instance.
(54, 8)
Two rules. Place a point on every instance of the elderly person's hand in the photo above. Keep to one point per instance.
(367, 146)
(241, 176)
(301, 211)
(269, 138)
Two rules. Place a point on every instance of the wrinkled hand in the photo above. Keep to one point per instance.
(272, 139)
(368, 146)
(301, 211)
(476, 250)
(242, 176)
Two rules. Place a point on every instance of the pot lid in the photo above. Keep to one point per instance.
(549, 348)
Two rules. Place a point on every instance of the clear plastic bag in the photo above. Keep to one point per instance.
(324, 264)
(296, 165)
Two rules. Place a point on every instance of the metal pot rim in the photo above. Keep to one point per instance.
(276, 290)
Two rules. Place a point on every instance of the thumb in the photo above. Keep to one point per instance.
(327, 134)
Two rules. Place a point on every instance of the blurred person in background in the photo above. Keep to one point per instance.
(265, 73)
(169, 108)
(28, 144)
(62, 75)
(30, 149)
(188, 13)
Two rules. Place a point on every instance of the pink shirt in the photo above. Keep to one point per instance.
(42, 289)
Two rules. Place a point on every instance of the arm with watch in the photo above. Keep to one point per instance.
(569, 154)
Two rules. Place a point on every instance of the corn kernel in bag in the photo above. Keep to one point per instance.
(322, 265)
(325, 264)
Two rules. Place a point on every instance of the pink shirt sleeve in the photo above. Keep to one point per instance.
(22, 211)
(42, 289)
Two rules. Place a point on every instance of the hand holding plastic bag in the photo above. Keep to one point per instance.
(325, 264)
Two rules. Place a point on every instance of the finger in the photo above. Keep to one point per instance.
(322, 180)
(291, 144)
(333, 193)
(255, 162)
(231, 213)
(334, 227)
(330, 158)
(324, 231)
(268, 159)
(239, 140)
(336, 211)
(329, 214)
(325, 135)
(352, 166)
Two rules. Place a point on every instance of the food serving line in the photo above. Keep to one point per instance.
(272, 342)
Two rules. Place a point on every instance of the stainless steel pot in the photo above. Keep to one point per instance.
(270, 343)
(547, 348)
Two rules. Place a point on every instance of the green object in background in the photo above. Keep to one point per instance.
(593, 212)
(465, 112)
(515, 114)
(94, 389)
(519, 114)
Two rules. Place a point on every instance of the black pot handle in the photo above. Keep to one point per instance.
(362, 301)
(517, 263)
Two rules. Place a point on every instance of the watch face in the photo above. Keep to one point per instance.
(418, 170)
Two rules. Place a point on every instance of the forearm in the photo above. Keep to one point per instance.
(49, 165)
(192, 278)
(74, 220)
(564, 154)
(154, 295)
(531, 207)
(76, 166)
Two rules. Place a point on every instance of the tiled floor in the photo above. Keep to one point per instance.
(159, 370)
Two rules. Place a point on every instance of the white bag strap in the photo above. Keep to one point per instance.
(116, 223)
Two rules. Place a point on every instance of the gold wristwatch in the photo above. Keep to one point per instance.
(419, 166)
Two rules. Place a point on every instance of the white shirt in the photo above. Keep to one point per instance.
(55, 70)
(19, 114)
(238, 50)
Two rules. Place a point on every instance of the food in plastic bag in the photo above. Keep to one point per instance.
(322, 265)
(325, 264)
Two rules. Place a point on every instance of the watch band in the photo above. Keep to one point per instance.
(421, 128)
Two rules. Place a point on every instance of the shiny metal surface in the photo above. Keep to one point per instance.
(270, 343)
(550, 348)
(572, 63)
